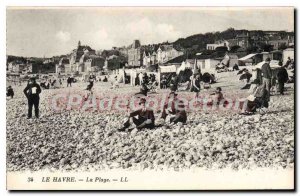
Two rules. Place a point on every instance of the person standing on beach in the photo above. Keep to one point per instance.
(32, 92)
(282, 77)
(196, 85)
(266, 75)
(69, 82)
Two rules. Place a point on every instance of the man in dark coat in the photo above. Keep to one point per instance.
(174, 83)
(288, 62)
(175, 108)
(266, 75)
(69, 82)
(145, 118)
(105, 79)
(10, 92)
(282, 77)
(32, 91)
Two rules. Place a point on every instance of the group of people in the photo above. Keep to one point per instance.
(51, 83)
(173, 111)
(281, 77)
(147, 83)
(260, 96)
(290, 64)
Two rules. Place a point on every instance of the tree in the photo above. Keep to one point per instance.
(221, 49)
(234, 48)
(230, 33)
(267, 48)
(282, 46)
(252, 49)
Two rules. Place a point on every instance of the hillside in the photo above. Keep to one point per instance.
(197, 43)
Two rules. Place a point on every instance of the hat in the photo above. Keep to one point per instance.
(180, 104)
(219, 89)
(268, 59)
(142, 100)
(173, 93)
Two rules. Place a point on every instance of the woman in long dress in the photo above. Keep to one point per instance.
(196, 85)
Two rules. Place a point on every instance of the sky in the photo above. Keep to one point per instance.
(53, 31)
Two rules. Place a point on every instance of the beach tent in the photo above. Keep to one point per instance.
(225, 60)
(185, 75)
(184, 65)
(250, 59)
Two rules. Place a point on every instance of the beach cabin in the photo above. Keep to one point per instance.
(207, 65)
(289, 52)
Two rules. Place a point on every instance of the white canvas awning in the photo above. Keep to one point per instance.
(247, 57)
(168, 69)
(184, 65)
(273, 64)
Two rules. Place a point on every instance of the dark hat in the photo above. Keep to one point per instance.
(142, 100)
(180, 104)
(219, 89)
(268, 59)
(173, 93)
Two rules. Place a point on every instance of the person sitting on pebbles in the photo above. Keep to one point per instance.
(145, 118)
(143, 90)
(174, 109)
(10, 92)
(217, 96)
(258, 99)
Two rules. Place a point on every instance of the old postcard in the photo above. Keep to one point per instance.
(150, 98)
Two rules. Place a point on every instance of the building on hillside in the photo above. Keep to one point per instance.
(123, 51)
(47, 68)
(149, 58)
(166, 53)
(111, 63)
(242, 40)
(62, 65)
(94, 64)
(56, 59)
(277, 43)
(77, 54)
(135, 54)
(14, 67)
(49, 60)
(220, 43)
